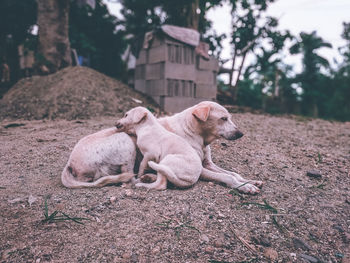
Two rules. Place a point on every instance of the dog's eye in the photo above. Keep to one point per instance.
(126, 115)
(224, 118)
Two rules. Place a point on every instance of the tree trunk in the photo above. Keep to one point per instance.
(232, 71)
(235, 88)
(54, 47)
(192, 15)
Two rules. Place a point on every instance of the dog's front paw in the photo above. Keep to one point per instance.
(257, 183)
(248, 188)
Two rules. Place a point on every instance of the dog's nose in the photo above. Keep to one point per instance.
(238, 134)
(118, 125)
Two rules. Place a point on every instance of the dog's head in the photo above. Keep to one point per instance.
(132, 118)
(214, 121)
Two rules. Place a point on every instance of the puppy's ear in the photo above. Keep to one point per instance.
(139, 116)
(201, 112)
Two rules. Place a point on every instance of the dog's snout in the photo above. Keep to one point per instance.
(118, 125)
(238, 134)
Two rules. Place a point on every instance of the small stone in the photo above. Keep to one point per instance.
(211, 183)
(299, 243)
(342, 170)
(155, 250)
(209, 250)
(261, 240)
(309, 258)
(221, 215)
(314, 174)
(128, 192)
(101, 231)
(204, 238)
(37, 260)
(134, 258)
(113, 199)
(271, 254)
(346, 237)
(127, 255)
(218, 243)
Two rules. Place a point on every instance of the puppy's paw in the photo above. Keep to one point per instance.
(148, 178)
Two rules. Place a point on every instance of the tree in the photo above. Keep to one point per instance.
(143, 16)
(311, 76)
(247, 17)
(15, 31)
(54, 47)
(338, 105)
(92, 32)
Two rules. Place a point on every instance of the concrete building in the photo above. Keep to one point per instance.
(174, 68)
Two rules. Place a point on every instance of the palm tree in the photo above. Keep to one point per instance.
(311, 76)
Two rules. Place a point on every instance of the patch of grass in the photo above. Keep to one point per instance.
(235, 192)
(59, 216)
(265, 206)
(244, 261)
(319, 186)
(176, 225)
(319, 158)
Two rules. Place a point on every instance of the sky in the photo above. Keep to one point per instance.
(324, 16)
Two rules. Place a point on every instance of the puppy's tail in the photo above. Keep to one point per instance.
(169, 174)
(69, 181)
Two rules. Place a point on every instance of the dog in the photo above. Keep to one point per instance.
(199, 126)
(162, 150)
(99, 159)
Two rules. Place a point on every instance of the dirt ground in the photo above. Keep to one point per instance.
(300, 218)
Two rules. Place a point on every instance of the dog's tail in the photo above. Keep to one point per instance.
(69, 181)
(169, 174)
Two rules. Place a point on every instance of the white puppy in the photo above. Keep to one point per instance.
(102, 158)
(165, 152)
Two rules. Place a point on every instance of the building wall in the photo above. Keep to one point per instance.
(172, 74)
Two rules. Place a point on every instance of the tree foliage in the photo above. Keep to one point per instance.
(93, 34)
(311, 78)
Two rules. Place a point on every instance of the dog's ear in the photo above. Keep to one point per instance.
(139, 116)
(201, 112)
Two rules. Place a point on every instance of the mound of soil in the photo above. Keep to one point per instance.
(72, 93)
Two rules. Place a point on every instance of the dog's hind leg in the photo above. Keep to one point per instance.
(169, 174)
